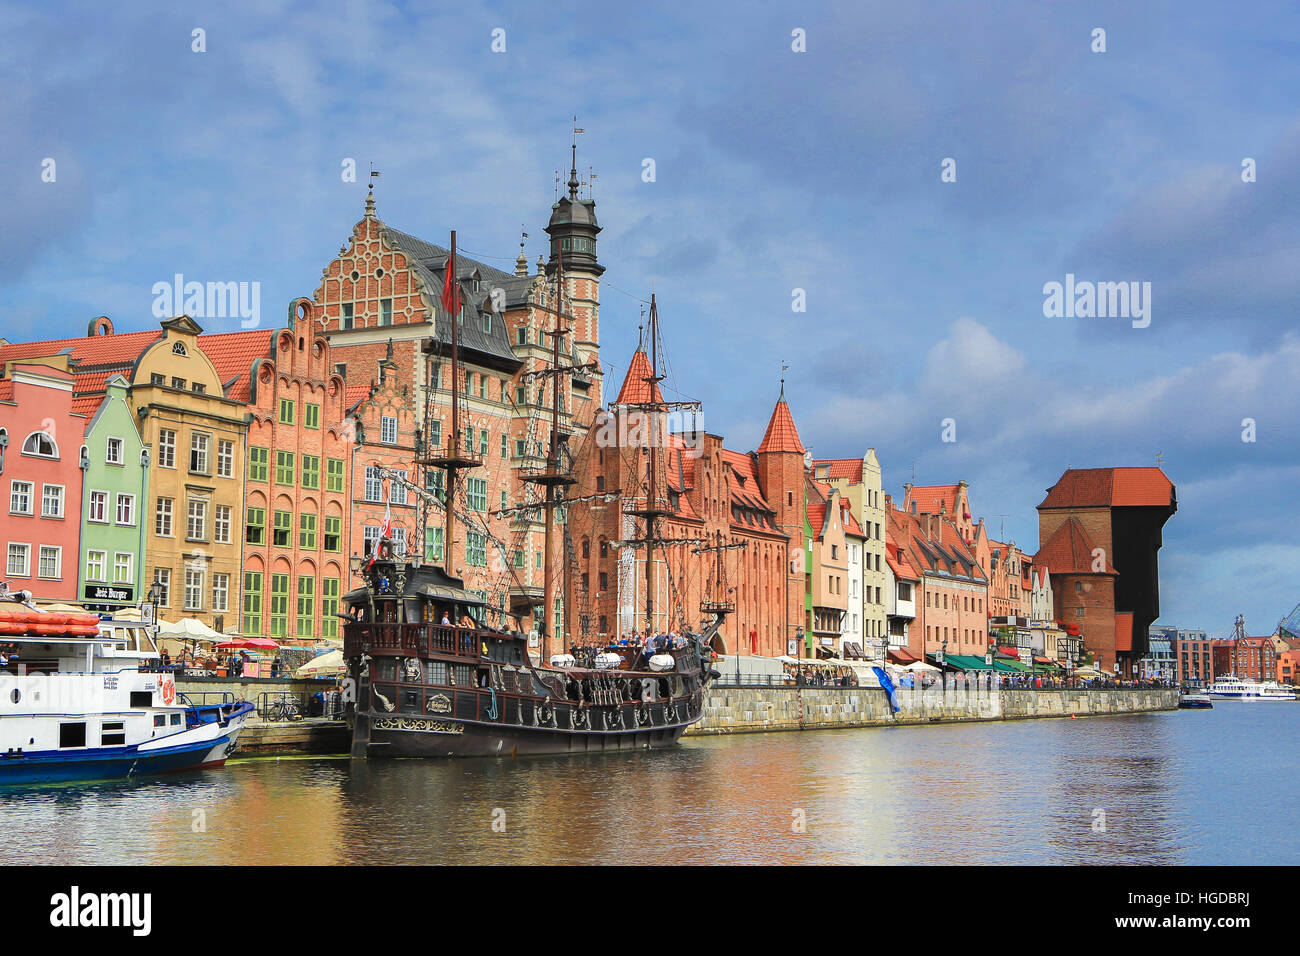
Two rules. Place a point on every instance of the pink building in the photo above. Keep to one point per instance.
(40, 474)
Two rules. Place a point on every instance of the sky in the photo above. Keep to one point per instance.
(919, 171)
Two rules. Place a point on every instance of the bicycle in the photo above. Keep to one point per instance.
(284, 707)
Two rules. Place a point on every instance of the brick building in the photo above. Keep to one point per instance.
(1100, 533)
(380, 306)
(298, 473)
(952, 606)
(709, 496)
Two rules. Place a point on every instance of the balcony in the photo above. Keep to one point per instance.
(419, 640)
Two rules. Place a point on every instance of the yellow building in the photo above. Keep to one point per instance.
(195, 514)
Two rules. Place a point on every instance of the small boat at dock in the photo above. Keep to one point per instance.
(1195, 702)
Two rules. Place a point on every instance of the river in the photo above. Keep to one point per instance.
(1186, 787)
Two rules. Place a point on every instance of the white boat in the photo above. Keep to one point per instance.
(84, 699)
(1234, 688)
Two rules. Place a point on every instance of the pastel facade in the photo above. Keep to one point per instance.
(112, 571)
(859, 481)
(40, 472)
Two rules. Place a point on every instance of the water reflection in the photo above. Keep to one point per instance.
(1108, 791)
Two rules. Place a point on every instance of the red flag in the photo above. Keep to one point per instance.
(451, 289)
(385, 532)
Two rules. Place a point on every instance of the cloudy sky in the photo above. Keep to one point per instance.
(775, 170)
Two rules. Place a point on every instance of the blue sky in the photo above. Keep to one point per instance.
(775, 170)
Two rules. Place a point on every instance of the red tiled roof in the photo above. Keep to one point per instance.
(233, 354)
(120, 348)
(87, 404)
(1069, 550)
(6, 390)
(1113, 487)
(637, 388)
(781, 435)
(850, 468)
(356, 393)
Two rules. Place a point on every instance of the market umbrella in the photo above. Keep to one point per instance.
(255, 643)
(189, 629)
(921, 666)
(326, 665)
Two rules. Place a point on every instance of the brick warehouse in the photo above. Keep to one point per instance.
(379, 304)
(1100, 534)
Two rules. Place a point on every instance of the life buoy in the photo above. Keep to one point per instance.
(168, 688)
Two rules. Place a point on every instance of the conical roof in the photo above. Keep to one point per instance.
(781, 435)
(637, 388)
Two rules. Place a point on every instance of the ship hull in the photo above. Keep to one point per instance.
(396, 735)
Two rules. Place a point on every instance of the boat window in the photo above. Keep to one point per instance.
(141, 698)
(413, 611)
(72, 735)
(160, 720)
(385, 669)
(143, 641)
(436, 672)
(176, 719)
(113, 733)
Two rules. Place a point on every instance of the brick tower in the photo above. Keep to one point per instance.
(780, 466)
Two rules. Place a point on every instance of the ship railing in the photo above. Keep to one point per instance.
(415, 639)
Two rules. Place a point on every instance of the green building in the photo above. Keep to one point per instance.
(115, 511)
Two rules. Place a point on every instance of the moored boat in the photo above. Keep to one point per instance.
(1195, 702)
(83, 699)
(1234, 688)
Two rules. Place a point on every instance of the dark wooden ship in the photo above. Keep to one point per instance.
(434, 677)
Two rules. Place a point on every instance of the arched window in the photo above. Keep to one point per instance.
(41, 445)
(178, 349)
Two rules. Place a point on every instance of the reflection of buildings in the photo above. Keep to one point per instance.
(1100, 533)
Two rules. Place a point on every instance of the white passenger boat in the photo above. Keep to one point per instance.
(84, 699)
(1234, 688)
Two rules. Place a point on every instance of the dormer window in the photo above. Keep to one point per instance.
(179, 349)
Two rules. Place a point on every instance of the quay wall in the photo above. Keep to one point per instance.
(741, 710)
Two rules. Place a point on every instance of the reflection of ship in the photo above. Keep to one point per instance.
(435, 678)
(81, 701)
(1234, 688)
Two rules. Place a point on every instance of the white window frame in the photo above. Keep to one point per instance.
(221, 524)
(163, 578)
(166, 448)
(369, 538)
(200, 448)
(202, 519)
(96, 569)
(220, 592)
(129, 576)
(193, 587)
(378, 485)
(225, 458)
(129, 500)
(58, 563)
(26, 571)
(397, 490)
(28, 497)
(388, 429)
(45, 497)
(108, 451)
(36, 454)
(100, 498)
(169, 514)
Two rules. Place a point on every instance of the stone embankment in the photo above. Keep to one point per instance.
(741, 710)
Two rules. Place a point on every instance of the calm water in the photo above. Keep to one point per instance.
(1213, 787)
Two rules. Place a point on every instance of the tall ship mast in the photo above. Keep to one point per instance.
(435, 677)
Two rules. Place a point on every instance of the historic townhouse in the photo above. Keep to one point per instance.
(859, 482)
(380, 306)
(196, 437)
(710, 496)
(41, 474)
(902, 582)
(298, 471)
(112, 565)
(834, 572)
(952, 607)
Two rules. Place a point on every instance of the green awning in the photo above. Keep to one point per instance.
(966, 662)
(1007, 665)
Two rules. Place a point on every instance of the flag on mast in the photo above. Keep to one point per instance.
(385, 532)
